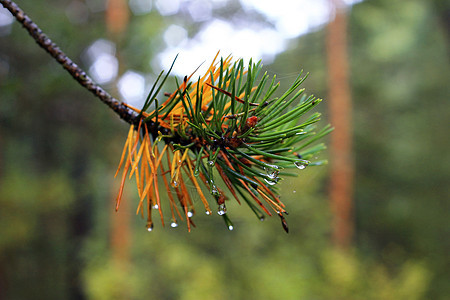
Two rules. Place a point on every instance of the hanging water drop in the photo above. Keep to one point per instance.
(214, 191)
(272, 172)
(208, 212)
(211, 163)
(230, 227)
(150, 228)
(222, 209)
(190, 214)
(262, 218)
(156, 206)
(301, 164)
(174, 183)
(270, 182)
(173, 224)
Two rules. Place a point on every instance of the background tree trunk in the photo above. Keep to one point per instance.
(340, 106)
(117, 17)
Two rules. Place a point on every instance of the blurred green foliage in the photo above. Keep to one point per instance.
(59, 147)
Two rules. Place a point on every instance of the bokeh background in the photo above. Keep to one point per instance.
(59, 146)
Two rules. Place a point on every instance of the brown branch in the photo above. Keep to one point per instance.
(77, 73)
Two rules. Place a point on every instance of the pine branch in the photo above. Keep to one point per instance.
(74, 70)
(223, 131)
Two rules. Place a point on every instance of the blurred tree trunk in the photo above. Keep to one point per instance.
(120, 232)
(341, 185)
(117, 17)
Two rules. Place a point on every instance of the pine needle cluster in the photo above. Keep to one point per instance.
(225, 135)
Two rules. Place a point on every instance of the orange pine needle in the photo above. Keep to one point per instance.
(130, 132)
(270, 201)
(227, 182)
(269, 192)
(197, 187)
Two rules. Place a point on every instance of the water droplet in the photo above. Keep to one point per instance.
(294, 191)
(272, 172)
(210, 162)
(230, 227)
(174, 224)
(190, 214)
(270, 182)
(156, 206)
(214, 191)
(196, 172)
(222, 210)
(301, 164)
(262, 218)
(208, 212)
(150, 228)
(174, 183)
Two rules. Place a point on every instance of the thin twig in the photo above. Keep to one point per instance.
(77, 73)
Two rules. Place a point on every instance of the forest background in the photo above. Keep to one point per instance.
(61, 239)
